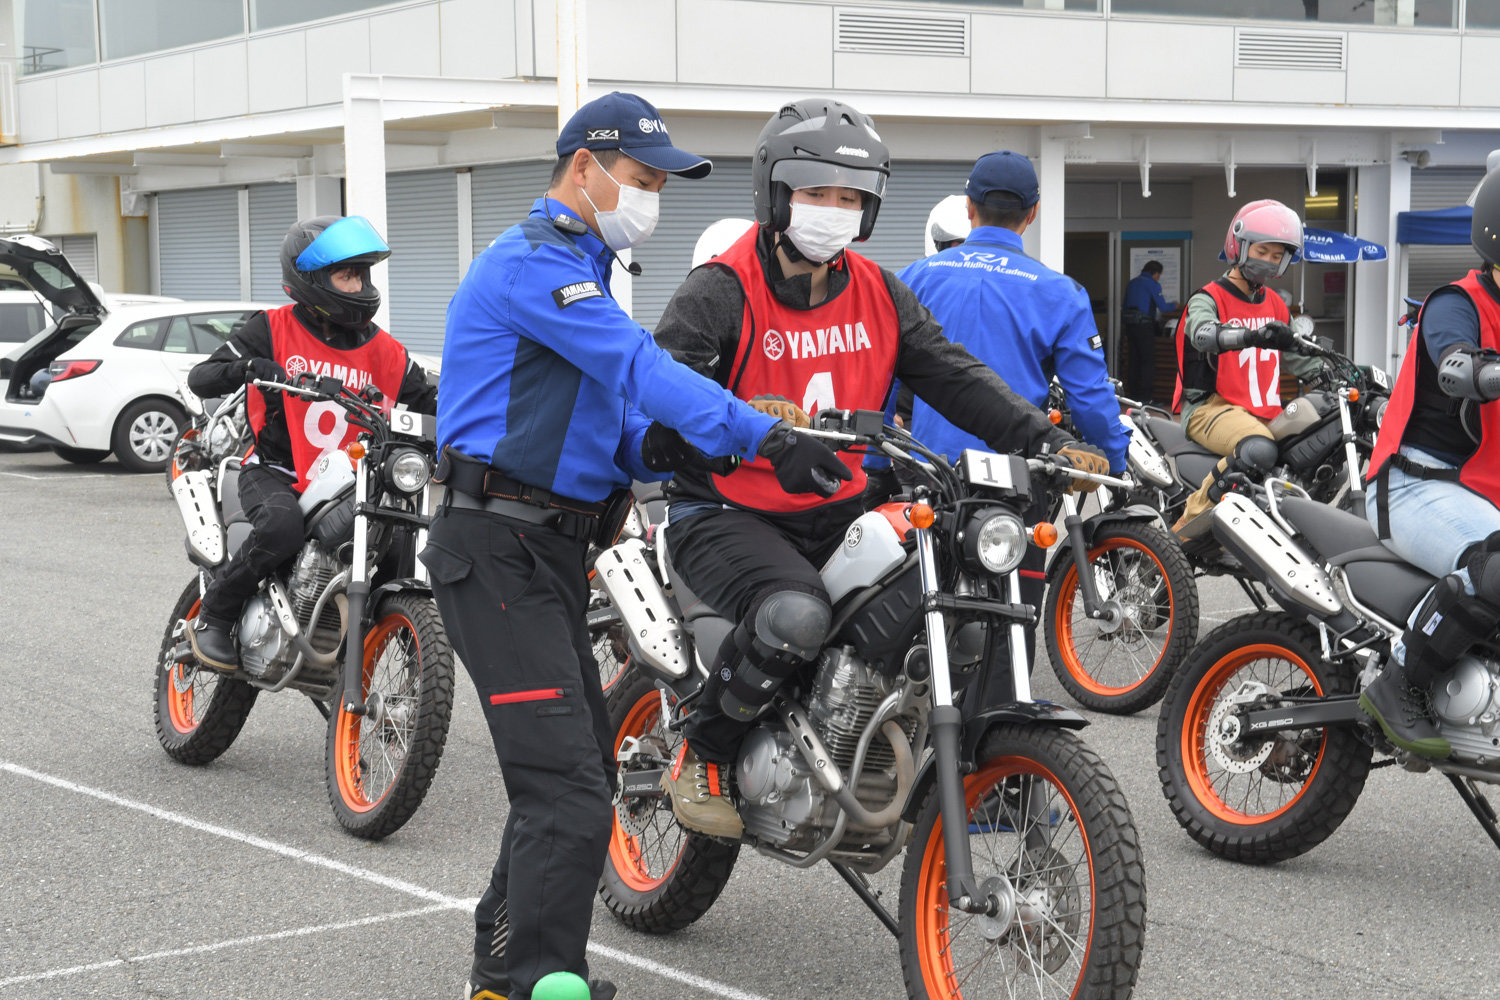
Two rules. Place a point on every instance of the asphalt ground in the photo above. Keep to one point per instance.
(125, 874)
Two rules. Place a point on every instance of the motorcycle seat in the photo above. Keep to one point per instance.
(1194, 462)
(1378, 577)
(705, 625)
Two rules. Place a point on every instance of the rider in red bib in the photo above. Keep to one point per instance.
(325, 267)
(1435, 484)
(791, 321)
(1229, 352)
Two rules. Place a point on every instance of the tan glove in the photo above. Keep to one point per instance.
(782, 409)
(1085, 458)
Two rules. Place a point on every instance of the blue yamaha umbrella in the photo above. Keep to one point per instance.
(1324, 246)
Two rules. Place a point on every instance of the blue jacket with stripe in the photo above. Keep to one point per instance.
(546, 377)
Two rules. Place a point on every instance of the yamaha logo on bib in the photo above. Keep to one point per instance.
(773, 345)
(354, 379)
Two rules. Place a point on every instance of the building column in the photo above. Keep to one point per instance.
(364, 167)
(1044, 240)
(1384, 191)
(318, 195)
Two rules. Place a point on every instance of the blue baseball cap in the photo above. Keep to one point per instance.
(626, 122)
(1003, 179)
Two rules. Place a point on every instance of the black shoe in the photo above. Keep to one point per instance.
(213, 644)
(1402, 712)
(599, 989)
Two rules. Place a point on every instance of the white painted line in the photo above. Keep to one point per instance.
(441, 901)
(204, 949)
(81, 475)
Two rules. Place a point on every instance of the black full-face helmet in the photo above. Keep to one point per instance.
(817, 142)
(314, 247)
(1484, 230)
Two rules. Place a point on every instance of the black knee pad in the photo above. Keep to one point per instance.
(1255, 454)
(1483, 563)
(784, 631)
(793, 621)
(1448, 622)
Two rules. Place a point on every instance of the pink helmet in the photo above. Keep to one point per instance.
(1265, 221)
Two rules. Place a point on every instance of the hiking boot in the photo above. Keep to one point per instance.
(212, 644)
(699, 792)
(1402, 713)
(599, 989)
(1189, 530)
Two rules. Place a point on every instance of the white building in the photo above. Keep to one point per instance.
(169, 143)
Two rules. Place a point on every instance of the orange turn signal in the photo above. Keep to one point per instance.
(1044, 535)
(1055, 416)
(921, 516)
(355, 450)
(1353, 395)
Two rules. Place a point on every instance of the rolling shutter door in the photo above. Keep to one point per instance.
(914, 188)
(199, 243)
(273, 209)
(82, 252)
(1430, 267)
(422, 216)
(502, 195)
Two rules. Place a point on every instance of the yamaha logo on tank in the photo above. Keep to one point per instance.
(853, 535)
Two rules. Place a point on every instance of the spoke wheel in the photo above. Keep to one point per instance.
(379, 765)
(1257, 799)
(1053, 844)
(199, 712)
(1123, 664)
(658, 877)
(607, 634)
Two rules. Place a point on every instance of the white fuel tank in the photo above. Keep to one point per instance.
(871, 549)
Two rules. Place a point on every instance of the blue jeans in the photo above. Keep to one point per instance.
(1432, 522)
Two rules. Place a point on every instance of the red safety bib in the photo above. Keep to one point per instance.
(839, 354)
(317, 427)
(1249, 378)
(1481, 472)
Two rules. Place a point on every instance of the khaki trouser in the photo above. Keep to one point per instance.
(1218, 425)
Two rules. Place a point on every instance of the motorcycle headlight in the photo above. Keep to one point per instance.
(995, 541)
(408, 470)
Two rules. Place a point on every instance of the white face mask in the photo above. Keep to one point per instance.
(633, 219)
(820, 232)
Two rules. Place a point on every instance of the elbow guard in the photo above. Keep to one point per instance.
(1470, 373)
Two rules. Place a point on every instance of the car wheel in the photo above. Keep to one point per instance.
(79, 456)
(145, 433)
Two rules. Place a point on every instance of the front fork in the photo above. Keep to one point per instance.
(357, 593)
(946, 725)
(1351, 454)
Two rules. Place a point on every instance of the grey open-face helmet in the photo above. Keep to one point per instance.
(817, 142)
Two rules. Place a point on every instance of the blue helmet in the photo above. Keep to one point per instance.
(312, 248)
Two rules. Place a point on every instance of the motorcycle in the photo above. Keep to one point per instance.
(1023, 870)
(1116, 633)
(349, 621)
(217, 429)
(1262, 748)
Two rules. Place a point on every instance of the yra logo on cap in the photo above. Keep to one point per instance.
(603, 135)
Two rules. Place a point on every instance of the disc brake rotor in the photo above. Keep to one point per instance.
(1224, 739)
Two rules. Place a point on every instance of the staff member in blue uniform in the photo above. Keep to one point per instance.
(553, 398)
(1143, 305)
(1024, 320)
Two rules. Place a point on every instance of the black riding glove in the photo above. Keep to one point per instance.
(265, 370)
(1279, 336)
(665, 450)
(802, 463)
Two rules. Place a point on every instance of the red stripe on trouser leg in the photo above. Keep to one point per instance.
(1033, 574)
(539, 694)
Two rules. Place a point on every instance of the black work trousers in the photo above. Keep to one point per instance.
(733, 560)
(1140, 358)
(513, 596)
(276, 533)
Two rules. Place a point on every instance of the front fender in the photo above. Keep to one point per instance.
(975, 729)
(1135, 512)
(405, 583)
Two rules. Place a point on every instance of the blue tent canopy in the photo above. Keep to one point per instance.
(1441, 226)
(1324, 246)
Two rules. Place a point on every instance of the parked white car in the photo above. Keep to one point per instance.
(115, 374)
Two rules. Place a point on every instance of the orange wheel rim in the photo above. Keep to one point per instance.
(353, 754)
(1195, 749)
(1062, 622)
(181, 690)
(629, 853)
(934, 949)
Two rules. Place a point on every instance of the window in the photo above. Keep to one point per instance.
(211, 330)
(131, 27)
(275, 13)
(144, 335)
(1483, 14)
(56, 34)
(179, 337)
(1421, 13)
(19, 321)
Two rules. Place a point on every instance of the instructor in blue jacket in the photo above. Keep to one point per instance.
(552, 400)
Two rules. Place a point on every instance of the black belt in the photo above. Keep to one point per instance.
(578, 526)
(479, 479)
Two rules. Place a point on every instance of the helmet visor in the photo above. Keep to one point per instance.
(350, 240)
(797, 174)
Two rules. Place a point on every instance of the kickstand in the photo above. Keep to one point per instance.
(1254, 595)
(322, 706)
(868, 896)
(1478, 805)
